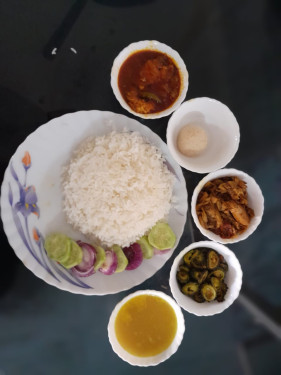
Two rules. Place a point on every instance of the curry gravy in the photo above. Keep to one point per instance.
(149, 81)
(146, 325)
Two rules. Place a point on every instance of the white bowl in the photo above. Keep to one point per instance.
(146, 361)
(233, 280)
(255, 201)
(220, 125)
(156, 46)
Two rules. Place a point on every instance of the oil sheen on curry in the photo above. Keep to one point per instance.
(149, 81)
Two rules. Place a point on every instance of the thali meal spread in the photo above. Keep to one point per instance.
(146, 325)
(222, 207)
(201, 275)
(149, 81)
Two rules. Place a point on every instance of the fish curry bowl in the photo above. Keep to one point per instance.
(149, 79)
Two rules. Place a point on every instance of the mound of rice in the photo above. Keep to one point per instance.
(116, 187)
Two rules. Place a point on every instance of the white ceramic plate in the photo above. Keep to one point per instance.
(31, 200)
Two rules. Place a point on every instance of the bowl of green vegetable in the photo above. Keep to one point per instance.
(205, 278)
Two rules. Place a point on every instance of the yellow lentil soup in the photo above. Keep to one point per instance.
(146, 325)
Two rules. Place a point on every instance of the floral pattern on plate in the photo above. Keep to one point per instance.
(21, 210)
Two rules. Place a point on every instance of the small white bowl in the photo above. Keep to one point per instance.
(233, 280)
(221, 128)
(155, 46)
(255, 201)
(146, 361)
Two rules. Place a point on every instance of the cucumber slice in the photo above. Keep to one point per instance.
(58, 246)
(122, 260)
(146, 248)
(100, 257)
(75, 257)
(161, 236)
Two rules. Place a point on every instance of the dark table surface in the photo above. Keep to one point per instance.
(232, 50)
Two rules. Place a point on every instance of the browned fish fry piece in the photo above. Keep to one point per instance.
(214, 199)
(239, 213)
(219, 204)
(214, 217)
(231, 220)
(204, 216)
(201, 221)
(208, 185)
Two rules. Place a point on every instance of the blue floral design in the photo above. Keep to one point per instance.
(28, 202)
(21, 210)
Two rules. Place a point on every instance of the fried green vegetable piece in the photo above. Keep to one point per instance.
(208, 292)
(222, 292)
(222, 263)
(199, 260)
(162, 236)
(190, 288)
(182, 277)
(224, 266)
(199, 275)
(184, 268)
(212, 259)
(216, 283)
(188, 256)
(218, 273)
(198, 297)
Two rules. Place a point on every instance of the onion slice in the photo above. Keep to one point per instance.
(110, 264)
(89, 257)
(134, 256)
(81, 273)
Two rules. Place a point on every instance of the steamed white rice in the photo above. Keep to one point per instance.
(116, 187)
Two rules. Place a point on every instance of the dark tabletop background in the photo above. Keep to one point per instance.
(232, 50)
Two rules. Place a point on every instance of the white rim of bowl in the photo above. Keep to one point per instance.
(171, 145)
(149, 45)
(221, 249)
(224, 173)
(153, 360)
